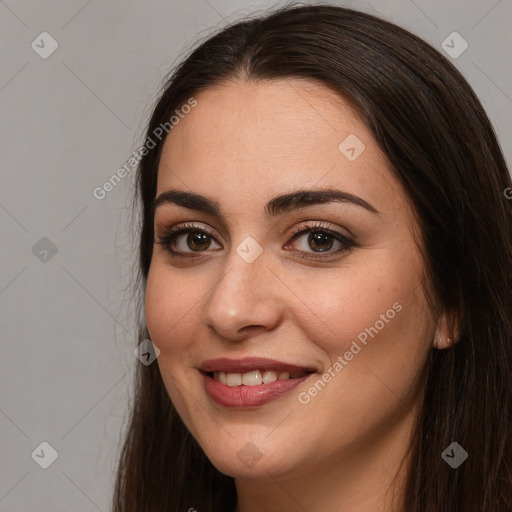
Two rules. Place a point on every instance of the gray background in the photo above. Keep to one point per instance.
(67, 123)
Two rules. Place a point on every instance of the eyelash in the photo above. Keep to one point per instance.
(170, 234)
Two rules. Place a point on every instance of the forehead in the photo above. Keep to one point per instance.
(291, 118)
(267, 137)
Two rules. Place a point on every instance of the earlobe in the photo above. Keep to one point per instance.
(447, 332)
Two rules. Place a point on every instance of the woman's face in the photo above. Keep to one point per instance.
(339, 306)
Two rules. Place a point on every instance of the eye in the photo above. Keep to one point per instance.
(315, 239)
(196, 240)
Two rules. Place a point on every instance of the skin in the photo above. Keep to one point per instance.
(244, 143)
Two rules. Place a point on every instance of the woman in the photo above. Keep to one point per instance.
(326, 258)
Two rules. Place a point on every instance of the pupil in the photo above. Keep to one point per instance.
(319, 239)
(198, 240)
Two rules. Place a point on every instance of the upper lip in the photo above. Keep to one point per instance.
(225, 364)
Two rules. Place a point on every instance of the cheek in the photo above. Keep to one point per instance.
(336, 306)
(384, 334)
(379, 326)
(172, 316)
(172, 307)
(375, 317)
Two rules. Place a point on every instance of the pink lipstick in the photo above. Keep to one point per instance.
(250, 382)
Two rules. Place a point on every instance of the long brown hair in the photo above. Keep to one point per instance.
(434, 131)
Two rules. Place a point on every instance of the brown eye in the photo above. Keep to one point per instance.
(186, 240)
(320, 241)
(198, 241)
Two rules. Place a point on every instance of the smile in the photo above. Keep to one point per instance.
(250, 382)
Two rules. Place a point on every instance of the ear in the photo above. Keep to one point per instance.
(447, 331)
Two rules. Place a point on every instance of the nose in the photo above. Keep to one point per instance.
(245, 299)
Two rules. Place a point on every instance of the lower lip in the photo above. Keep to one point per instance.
(249, 396)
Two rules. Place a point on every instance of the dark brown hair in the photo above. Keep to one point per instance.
(435, 133)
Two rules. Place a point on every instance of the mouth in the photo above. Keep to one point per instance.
(250, 382)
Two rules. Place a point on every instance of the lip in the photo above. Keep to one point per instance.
(247, 364)
(244, 397)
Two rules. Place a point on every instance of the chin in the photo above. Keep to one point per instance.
(240, 458)
(249, 463)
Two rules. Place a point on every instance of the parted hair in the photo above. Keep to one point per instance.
(432, 128)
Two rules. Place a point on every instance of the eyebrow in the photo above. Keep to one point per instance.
(276, 206)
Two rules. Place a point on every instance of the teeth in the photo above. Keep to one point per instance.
(254, 378)
(234, 379)
(269, 376)
(251, 378)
